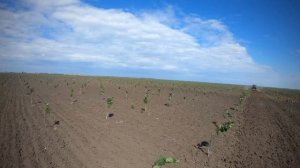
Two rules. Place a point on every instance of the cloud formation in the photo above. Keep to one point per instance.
(71, 31)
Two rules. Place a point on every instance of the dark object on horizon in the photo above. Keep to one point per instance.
(253, 88)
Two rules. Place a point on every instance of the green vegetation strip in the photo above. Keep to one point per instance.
(164, 160)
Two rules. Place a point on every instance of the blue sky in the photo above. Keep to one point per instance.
(241, 42)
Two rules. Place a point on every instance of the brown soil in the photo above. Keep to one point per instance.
(76, 133)
(269, 133)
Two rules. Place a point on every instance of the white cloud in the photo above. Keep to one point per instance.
(49, 3)
(72, 31)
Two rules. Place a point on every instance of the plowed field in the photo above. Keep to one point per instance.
(61, 121)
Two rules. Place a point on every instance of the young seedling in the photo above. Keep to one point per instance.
(80, 89)
(164, 160)
(109, 102)
(55, 86)
(31, 91)
(47, 110)
(225, 127)
(170, 96)
(126, 94)
(83, 87)
(148, 91)
(242, 97)
(101, 89)
(72, 92)
(145, 102)
(227, 114)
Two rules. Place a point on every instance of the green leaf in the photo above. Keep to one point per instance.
(164, 160)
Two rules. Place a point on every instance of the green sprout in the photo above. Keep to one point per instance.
(109, 101)
(72, 92)
(242, 97)
(47, 108)
(227, 114)
(164, 160)
(225, 126)
(30, 91)
(146, 99)
(170, 96)
(101, 89)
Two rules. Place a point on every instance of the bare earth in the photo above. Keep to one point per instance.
(268, 135)
(75, 131)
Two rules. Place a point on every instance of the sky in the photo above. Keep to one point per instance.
(235, 41)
